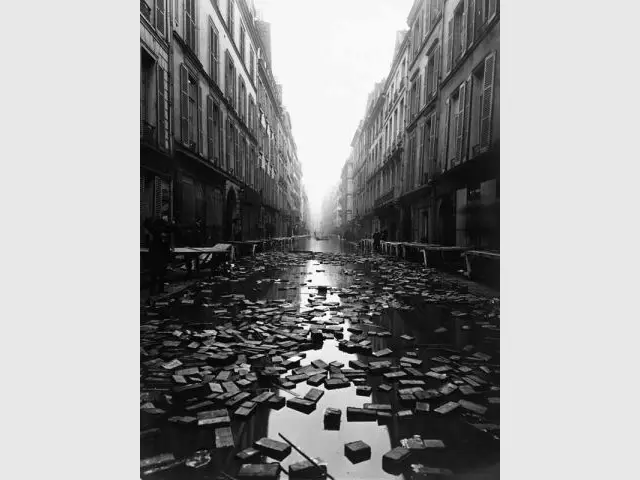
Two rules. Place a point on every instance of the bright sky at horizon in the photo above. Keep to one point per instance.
(328, 54)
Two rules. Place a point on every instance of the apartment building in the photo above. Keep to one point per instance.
(446, 182)
(388, 149)
(207, 144)
(425, 20)
(156, 172)
(346, 193)
(466, 207)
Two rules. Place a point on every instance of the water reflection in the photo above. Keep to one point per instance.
(307, 430)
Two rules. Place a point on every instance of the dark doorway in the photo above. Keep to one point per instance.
(446, 222)
(229, 215)
(406, 224)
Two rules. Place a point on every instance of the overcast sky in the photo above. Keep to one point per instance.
(327, 54)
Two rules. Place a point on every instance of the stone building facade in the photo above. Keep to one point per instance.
(444, 187)
(210, 123)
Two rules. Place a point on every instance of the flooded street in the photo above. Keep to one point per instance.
(267, 312)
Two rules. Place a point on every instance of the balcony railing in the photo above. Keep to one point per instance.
(386, 197)
(145, 10)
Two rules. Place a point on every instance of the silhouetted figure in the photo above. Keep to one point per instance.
(159, 231)
(376, 241)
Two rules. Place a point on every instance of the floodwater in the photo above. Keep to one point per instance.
(469, 453)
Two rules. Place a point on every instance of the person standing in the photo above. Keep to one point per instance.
(376, 241)
(159, 232)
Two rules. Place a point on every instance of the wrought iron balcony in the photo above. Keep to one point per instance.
(386, 197)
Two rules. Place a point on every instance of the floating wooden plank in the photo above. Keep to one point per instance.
(224, 438)
(363, 390)
(214, 418)
(314, 394)
(248, 454)
(355, 414)
(306, 469)
(260, 471)
(383, 353)
(332, 418)
(317, 379)
(378, 406)
(396, 455)
(422, 407)
(447, 407)
(357, 451)
(302, 405)
(473, 407)
(334, 383)
(273, 448)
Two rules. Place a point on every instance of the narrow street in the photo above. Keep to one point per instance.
(409, 355)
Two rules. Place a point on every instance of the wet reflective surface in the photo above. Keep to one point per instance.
(357, 297)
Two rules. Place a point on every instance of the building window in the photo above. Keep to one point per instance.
(417, 36)
(250, 114)
(213, 130)
(146, 95)
(190, 24)
(458, 16)
(146, 9)
(230, 80)
(251, 66)
(190, 109)
(230, 14)
(432, 73)
(242, 100)
(193, 109)
(481, 105)
(242, 56)
(230, 154)
(213, 51)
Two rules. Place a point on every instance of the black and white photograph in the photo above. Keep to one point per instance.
(319, 302)
(314, 276)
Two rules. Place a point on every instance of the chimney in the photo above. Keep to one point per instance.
(264, 31)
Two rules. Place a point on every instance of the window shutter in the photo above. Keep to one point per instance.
(418, 92)
(487, 101)
(463, 28)
(467, 115)
(236, 151)
(436, 71)
(432, 141)
(449, 47)
(227, 146)
(426, 147)
(199, 120)
(157, 194)
(427, 86)
(479, 22)
(160, 16)
(161, 108)
(447, 107)
(471, 15)
(187, 21)
(460, 123)
(184, 104)
(210, 127)
(211, 58)
(416, 164)
(427, 18)
(491, 9)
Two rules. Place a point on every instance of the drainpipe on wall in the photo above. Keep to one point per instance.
(169, 18)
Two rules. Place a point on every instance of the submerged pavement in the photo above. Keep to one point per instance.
(409, 357)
